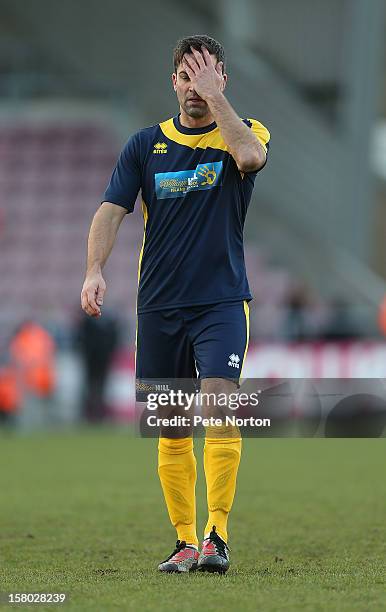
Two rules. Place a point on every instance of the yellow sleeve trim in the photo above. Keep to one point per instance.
(261, 132)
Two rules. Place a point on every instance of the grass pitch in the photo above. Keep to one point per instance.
(83, 513)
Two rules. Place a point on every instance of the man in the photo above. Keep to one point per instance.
(196, 172)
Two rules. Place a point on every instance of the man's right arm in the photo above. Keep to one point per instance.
(103, 230)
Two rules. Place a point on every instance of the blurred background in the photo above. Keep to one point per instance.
(78, 78)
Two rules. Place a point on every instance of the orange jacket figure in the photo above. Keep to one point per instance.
(33, 351)
(382, 316)
(10, 396)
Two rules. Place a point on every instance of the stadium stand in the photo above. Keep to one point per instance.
(52, 178)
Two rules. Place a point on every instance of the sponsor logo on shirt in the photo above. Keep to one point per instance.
(178, 184)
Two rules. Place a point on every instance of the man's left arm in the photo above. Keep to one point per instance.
(248, 153)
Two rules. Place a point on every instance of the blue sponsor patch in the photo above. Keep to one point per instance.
(178, 184)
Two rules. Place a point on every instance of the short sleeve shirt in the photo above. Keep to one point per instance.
(194, 203)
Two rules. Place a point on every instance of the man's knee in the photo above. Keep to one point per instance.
(214, 394)
(177, 422)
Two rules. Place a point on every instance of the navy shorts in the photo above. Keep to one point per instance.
(196, 342)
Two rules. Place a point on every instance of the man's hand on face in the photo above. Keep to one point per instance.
(206, 79)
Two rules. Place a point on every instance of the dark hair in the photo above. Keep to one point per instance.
(183, 46)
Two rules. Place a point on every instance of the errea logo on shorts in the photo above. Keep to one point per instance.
(234, 361)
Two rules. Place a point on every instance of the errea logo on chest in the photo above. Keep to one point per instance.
(160, 147)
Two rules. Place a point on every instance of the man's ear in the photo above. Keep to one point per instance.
(219, 69)
(174, 80)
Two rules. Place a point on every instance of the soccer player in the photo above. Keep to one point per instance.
(196, 172)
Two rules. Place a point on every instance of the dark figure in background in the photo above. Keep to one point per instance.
(98, 340)
(341, 324)
(296, 324)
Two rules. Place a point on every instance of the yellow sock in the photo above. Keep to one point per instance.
(177, 472)
(222, 453)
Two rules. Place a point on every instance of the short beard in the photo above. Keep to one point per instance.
(196, 112)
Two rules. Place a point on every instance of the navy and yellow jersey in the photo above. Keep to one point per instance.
(194, 202)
